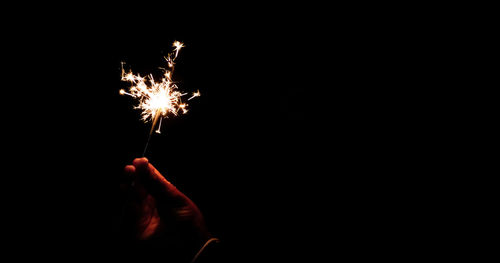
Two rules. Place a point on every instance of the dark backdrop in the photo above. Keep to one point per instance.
(287, 152)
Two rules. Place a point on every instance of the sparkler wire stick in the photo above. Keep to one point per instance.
(151, 132)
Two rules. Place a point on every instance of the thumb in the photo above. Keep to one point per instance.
(159, 187)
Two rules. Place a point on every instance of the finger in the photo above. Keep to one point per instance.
(156, 184)
(140, 166)
(137, 190)
(129, 171)
(127, 175)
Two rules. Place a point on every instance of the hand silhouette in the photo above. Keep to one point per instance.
(156, 210)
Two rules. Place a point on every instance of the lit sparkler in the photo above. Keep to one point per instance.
(157, 99)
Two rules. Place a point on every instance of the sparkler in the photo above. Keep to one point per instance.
(157, 99)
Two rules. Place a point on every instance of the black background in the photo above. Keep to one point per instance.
(289, 152)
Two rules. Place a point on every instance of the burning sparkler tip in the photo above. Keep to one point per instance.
(157, 99)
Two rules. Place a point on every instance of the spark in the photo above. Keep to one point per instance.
(178, 45)
(195, 94)
(157, 99)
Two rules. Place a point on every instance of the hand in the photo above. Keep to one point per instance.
(157, 210)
